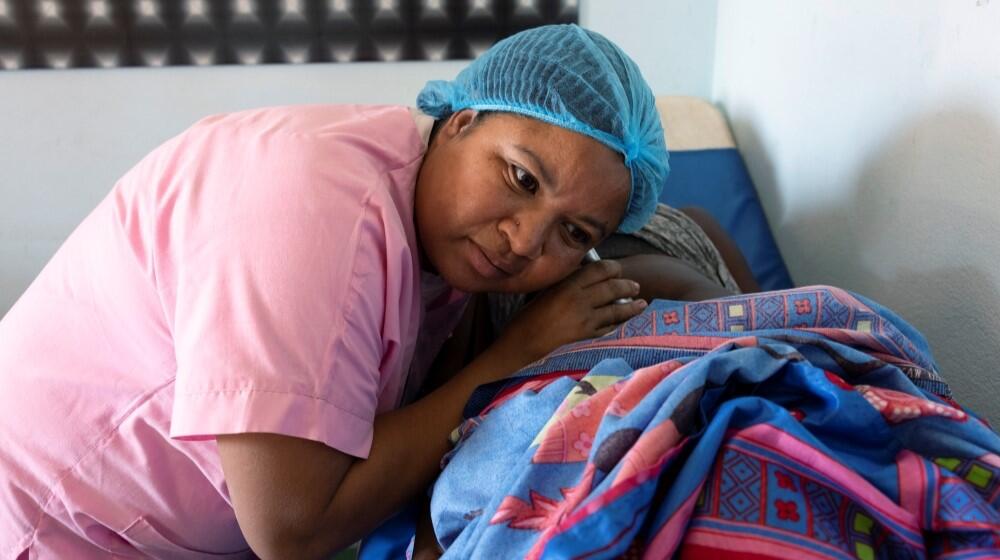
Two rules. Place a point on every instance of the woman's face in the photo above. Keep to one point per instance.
(512, 204)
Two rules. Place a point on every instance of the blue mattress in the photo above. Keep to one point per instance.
(717, 180)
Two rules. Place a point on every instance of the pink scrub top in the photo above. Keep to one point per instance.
(257, 273)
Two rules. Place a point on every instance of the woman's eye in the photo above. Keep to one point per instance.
(525, 180)
(579, 236)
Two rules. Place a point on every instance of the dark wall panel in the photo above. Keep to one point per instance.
(116, 33)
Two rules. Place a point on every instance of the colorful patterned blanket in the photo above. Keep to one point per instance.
(809, 423)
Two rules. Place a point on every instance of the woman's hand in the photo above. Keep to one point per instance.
(425, 544)
(581, 306)
(426, 554)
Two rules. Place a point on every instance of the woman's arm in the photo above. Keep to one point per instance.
(296, 498)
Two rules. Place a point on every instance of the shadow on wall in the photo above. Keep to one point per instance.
(761, 168)
(917, 228)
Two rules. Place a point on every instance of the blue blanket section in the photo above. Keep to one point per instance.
(717, 180)
(852, 383)
(806, 422)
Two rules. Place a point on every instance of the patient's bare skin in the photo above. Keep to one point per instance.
(663, 277)
(730, 253)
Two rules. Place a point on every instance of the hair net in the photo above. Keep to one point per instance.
(576, 79)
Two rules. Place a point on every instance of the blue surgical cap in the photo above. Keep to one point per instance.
(574, 78)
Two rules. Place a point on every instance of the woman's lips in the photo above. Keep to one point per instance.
(482, 264)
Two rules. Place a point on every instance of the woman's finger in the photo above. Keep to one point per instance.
(594, 273)
(611, 290)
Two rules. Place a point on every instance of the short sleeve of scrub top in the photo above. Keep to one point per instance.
(284, 262)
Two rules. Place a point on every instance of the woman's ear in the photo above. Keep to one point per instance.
(459, 122)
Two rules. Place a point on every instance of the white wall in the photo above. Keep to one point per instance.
(672, 41)
(872, 130)
(67, 135)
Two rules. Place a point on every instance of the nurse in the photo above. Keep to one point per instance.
(220, 357)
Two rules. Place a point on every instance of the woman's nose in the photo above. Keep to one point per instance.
(526, 234)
